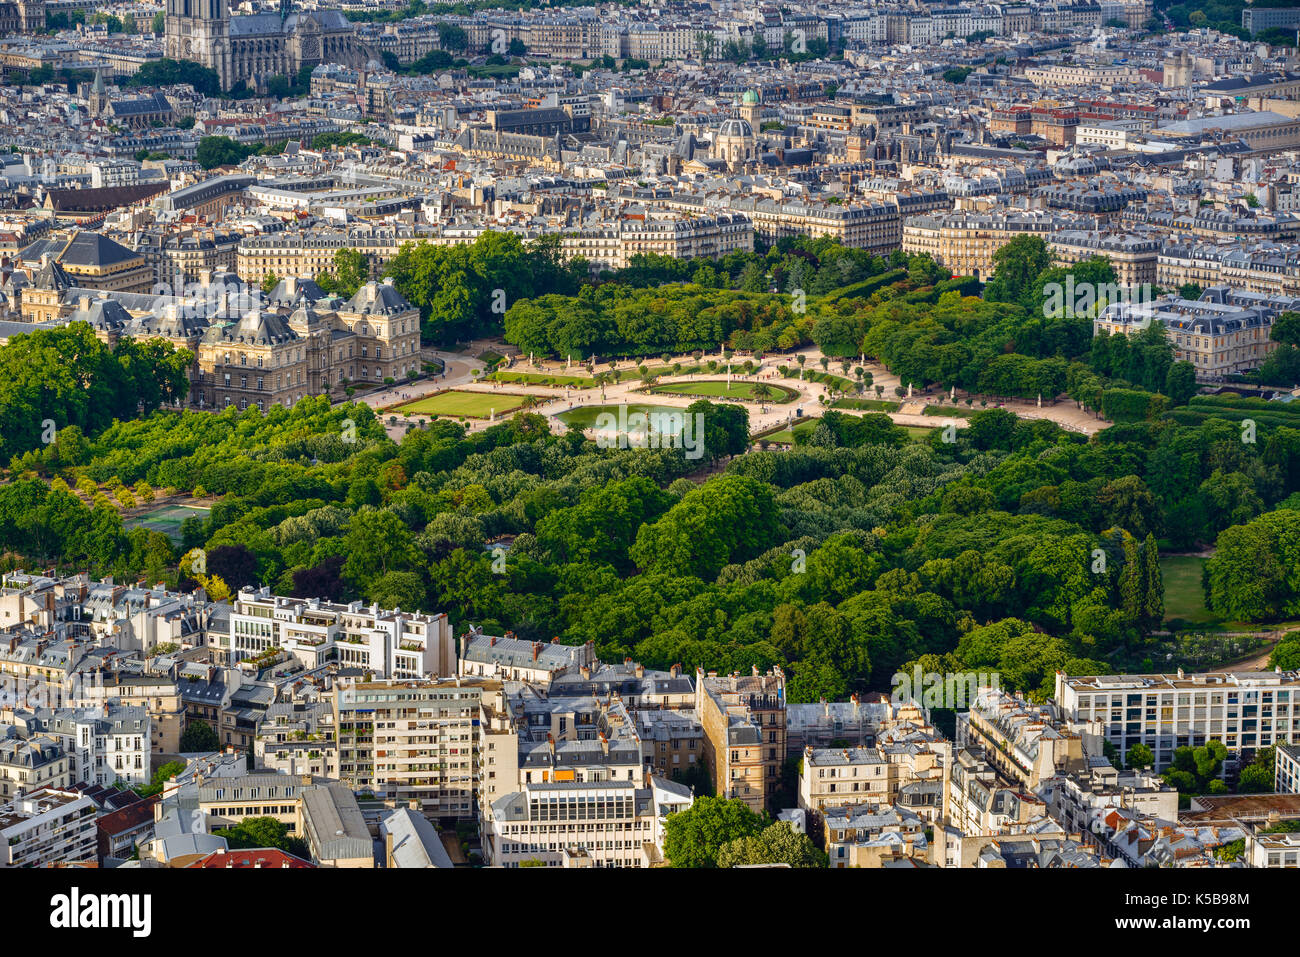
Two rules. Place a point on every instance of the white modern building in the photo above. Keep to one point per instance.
(47, 827)
(388, 643)
(1244, 710)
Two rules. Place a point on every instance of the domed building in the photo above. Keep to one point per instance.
(734, 143)
(751, 109)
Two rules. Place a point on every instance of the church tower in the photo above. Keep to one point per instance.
(98, 99)
(199, 31)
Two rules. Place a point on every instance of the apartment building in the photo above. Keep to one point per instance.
(1112, 134)
(1286, 770)
(826, 724)
(871, 835)
(592, 824)
(386, 643)
(910, 771)
(415, 740)
(227, 800)
(575, 739)
(322, 812)
(228, 700)
(613, 247)
(639, 687)
(876, 227)
(978, 801)
(1186, 261)
(744, 732)
(1133, 257)
(1269, 269)
(1024, 742)
(1244, 710)
(297, 737)
(156, 693)
(1223, 333)
(118, 832)
(1081, 801)
(105, 746)
(964, 242)
(842, 776)
(513, 659)
(43, 669)
(185, 256)
(1273, 850)
(309, 253)
(47, 826)
(1089, 76)
(672, 742)
(32, 763)
(1051, 850)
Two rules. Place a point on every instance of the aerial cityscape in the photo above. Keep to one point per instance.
(698, 434)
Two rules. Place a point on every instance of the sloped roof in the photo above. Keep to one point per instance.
(102, 199)
(102, 314)
(378, 298)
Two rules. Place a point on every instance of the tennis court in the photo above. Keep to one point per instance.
(168, 518)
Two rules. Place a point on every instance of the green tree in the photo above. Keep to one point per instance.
(693, 837)
(1140, 757)
(199, 738)
(263, 832)
(1016, 265)
(217, 151)
(1254, 574)
(160, 777)
(729, 519)
(351, 270)
(778, 843)
(1258, 777)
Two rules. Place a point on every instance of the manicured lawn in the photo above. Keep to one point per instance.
(474, 405)
(830, 379)
(787, 435)
(719, 387)
(585, 416)
(687, 368)
(918, 433)
(949, 410)
(866, 405)
(543, 378)
(1183, 596)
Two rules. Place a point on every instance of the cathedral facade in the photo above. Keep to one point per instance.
(257, 47)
